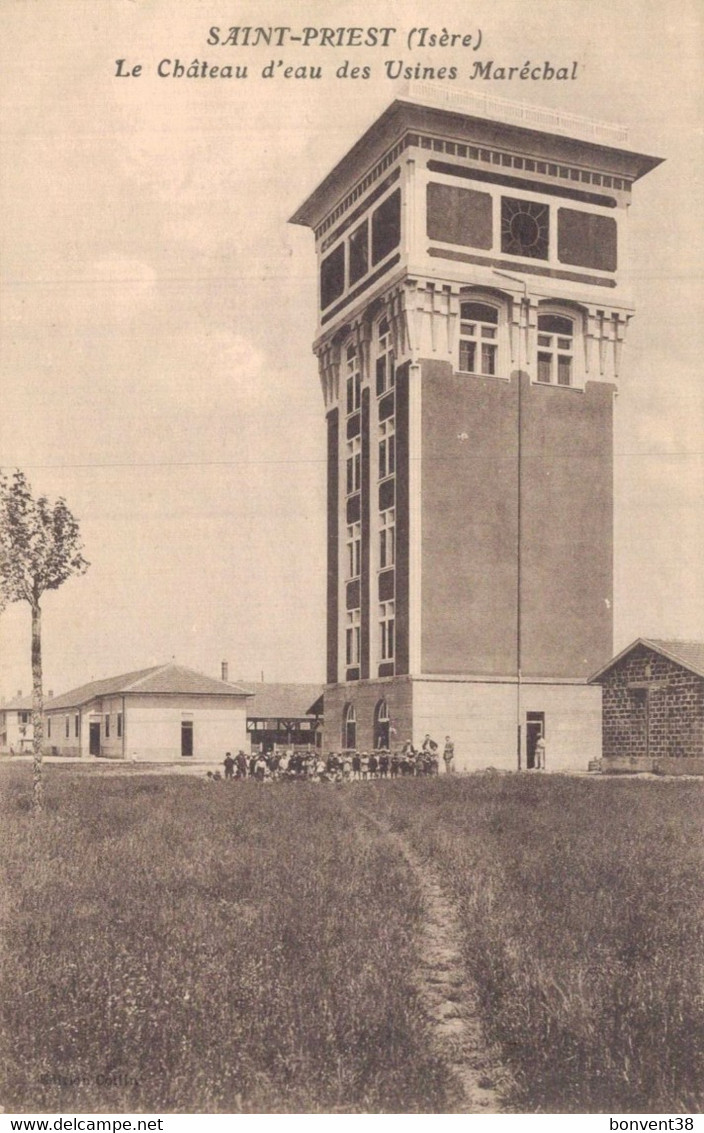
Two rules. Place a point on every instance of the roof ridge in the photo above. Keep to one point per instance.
(144, 674)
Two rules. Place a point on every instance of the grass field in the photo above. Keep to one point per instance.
(583, 924)
(175, 945)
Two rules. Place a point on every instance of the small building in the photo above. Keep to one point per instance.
(653, 708)
(16, 727)
(284, 715)
(166, 713)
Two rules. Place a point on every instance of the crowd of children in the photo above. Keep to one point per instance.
(338, 767)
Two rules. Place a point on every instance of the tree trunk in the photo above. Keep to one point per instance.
(37, 709)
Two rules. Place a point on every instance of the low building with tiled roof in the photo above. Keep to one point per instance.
(163, 713)
(653, 707)
(284, 715)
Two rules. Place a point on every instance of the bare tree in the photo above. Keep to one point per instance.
(40, 547)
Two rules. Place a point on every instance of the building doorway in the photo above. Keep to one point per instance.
(349, 728)
(535, 730)
(381, 725)
(94, 737)
(186, 737)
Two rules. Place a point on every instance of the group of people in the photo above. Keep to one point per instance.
(341, 766)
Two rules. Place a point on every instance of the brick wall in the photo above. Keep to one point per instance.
(365, 695)
(663, 721)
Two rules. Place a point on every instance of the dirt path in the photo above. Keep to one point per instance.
(446, 992)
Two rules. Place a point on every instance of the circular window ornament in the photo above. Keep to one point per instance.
(524, 228)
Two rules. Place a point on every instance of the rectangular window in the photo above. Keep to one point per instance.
(119, 725)
(459, 216)
(107, 726)
(386, 227)
(353, 638)
(67, 728)
(354, 550)
(359, 252)
(387, 541)
(387, 448)
(478, 338)
(555, 353)
(354, 381)
(386, 630)
(354, 465)
(48, 727)
(76, 725)
(564, 370)
(332, 276)
(544, 367)
(385, 370)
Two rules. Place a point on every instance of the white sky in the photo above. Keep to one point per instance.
(157, 311)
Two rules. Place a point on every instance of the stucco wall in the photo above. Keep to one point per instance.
(153, 727)
(483, 719)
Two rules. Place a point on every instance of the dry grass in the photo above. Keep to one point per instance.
(581, 905)
(236, 947)
(207, 947)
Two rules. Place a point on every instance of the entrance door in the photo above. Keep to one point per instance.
(535, 728)
(94, 738)
(186, 737)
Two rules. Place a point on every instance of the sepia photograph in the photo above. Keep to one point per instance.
(351, 561)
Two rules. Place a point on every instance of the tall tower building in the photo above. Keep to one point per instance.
(473, 304)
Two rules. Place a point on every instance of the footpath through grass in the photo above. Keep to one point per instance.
(583, 923)
(174, 945)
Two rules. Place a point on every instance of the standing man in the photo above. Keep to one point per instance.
(449, 756)
(540, 753)
(229, 765)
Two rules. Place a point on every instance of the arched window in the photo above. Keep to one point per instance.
(479, 334)
(349, 727)
(381, 725)
(556, 349)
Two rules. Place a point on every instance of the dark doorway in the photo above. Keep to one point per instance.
(381, 725)
(94, 738)
(535, 728)
(349, 728)
(186, 737)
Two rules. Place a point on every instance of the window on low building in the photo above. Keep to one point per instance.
(119, 725)
(479, 333)
(107, 726)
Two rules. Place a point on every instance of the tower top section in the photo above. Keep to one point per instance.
(487, 120)
(450, 190)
